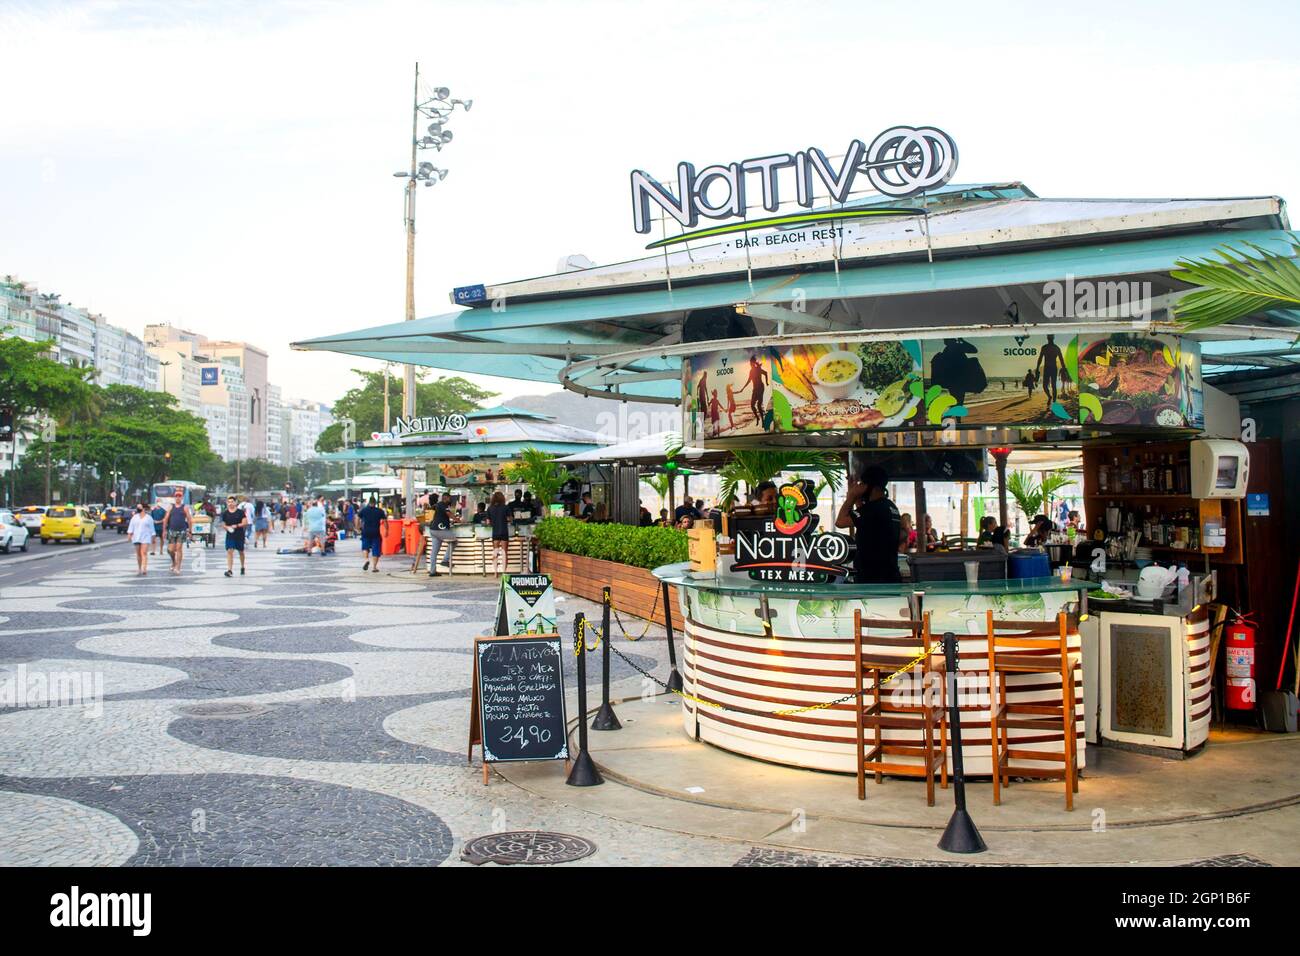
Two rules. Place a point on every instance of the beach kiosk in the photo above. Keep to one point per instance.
(930, 329)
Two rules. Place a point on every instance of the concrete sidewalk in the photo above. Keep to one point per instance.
(1237, 801)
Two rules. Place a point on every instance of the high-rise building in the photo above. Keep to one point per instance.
(275, 448)
(307, 419)
(17, 314)
(216, 356)
(121, 358)
(178, 375)
(222, 388)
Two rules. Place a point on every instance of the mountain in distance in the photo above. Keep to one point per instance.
(617, 421)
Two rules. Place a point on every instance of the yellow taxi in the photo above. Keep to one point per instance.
(67, 523)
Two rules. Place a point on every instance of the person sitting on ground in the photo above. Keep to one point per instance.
(331, 532)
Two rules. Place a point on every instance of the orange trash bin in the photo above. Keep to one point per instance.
(411, 535)
(392, 537)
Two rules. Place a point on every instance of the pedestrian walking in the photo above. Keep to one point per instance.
(374, 525)
(159, 514)
(180, 527)
(499, 518)
(261, 523)
(141, 532)
(235, 519)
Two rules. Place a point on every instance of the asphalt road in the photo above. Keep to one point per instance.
(48, 560)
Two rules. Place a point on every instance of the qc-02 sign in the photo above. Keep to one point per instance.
(900, 162)
(784, 547)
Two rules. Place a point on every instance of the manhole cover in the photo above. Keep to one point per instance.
(530, 847)
(218, 710)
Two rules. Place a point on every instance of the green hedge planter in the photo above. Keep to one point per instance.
(638, 547)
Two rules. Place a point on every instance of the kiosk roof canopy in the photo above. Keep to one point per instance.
(989, 245)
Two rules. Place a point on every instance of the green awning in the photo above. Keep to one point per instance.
(534, 340)
(418, 456)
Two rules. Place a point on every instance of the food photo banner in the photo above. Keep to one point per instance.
(1122, 379)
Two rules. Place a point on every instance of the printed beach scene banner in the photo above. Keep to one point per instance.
(1122, 379)
(1002, 380)
(862, 385)
(1136, 380)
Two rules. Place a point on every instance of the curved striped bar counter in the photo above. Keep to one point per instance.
(740, 675)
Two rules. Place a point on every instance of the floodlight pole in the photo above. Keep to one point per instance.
(408, 379)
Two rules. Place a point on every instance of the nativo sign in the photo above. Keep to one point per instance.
(785, 547)
(1122, 379)
(902, 161)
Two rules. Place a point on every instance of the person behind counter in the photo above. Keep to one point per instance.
(988, 524)
(906, 533)
(686, 509)
(877, 528)
(481, 515)
(766, 495)
(1040, 533)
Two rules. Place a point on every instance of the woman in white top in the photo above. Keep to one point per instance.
(141, 532)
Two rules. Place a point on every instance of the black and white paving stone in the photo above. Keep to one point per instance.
(304, 713)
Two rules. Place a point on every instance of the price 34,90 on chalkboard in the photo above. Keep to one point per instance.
(519, 683)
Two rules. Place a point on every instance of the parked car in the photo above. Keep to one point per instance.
(67, 523)
(31, 517)
(115, 519)
(12, 533)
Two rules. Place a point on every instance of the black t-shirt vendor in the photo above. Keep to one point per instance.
(876, 528)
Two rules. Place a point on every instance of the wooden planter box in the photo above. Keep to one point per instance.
(632, 590)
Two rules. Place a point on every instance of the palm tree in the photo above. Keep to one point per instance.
(1243, 280)
(537, 470)
(754, 466)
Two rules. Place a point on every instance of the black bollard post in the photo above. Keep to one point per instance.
(584, 772)
(606, 719)
(674, 678)
(961, 835)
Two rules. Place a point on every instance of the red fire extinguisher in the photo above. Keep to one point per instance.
(1240, 650)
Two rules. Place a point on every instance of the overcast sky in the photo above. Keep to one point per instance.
(228, 166)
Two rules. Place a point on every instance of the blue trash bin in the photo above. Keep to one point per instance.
(1030, 564)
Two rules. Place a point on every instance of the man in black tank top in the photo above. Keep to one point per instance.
(179, 525)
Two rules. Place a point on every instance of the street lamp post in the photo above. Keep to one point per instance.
(438, 107)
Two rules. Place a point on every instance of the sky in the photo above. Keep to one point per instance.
(227, 167)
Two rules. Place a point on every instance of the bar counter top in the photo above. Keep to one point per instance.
(679, 575)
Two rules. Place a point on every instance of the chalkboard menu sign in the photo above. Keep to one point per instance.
(518, 707)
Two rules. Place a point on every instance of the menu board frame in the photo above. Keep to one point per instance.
(478, 725)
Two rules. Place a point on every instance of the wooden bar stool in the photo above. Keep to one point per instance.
(881, 650)
(1029, 647)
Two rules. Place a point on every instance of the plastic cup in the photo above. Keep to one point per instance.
(1066, 572)
(972, 573)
